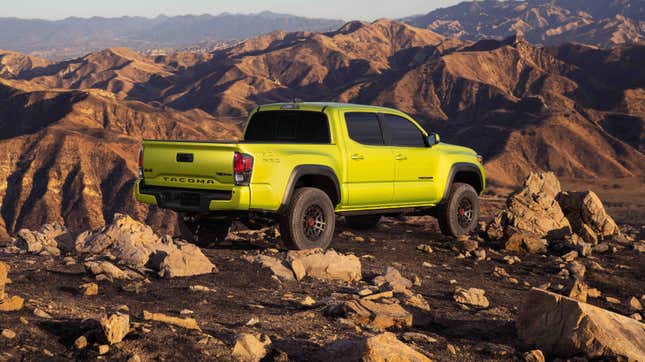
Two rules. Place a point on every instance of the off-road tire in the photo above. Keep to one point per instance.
(202, 231)
(453, 215)
(362, 222)
(309, 220)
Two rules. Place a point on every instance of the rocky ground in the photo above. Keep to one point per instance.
(124, 293)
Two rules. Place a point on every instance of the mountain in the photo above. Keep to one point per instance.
(74, 126)
(70, 155)
(603, 23)
(72, 37)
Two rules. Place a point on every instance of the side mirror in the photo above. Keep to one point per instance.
(433, 139)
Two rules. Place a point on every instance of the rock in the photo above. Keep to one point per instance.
(612, 300)
(634, 304)
(308, 301)
(417, 301)
(249, 348)
(534, 356)
(577, 290)
(183, 261)
(51, 238)
(277, 267)
(566, 327)
(80, 342)
(601, 248)
(587, 216)
(12, 304)
(115, 327)
(594, 293)
(636, 316)
(472, 297)
(577, 269)
(103, 349)
(379, 315)
(533, 209)
(418, 337)
(200, 288)
(425, 248)
(570, 256)
(136, 246)
(512, 259)
(8, 334)
(134, 358)
(392, 280)
(188, 323)
(525, 241)
(41, 314)
(379, 348)
(327, 265)
(89, 289)
(109, 270)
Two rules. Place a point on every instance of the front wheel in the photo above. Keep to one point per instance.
(309, 221)
(202, 231)
(459, 214)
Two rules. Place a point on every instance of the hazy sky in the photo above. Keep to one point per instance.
(339, 9)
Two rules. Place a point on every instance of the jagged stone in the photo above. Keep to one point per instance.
(249, 348)
(565, 327)
(588, 216)
(393, 280)
(188, 323)
(275, 264)
(379, 348)
(525, 241)
(383, 314)
(115, 327)
(472, 297)
(135, 245)
(328, 265)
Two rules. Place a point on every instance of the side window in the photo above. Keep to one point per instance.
(364, 128)
(401, 132)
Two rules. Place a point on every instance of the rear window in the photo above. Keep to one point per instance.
(364, 128)
(288, 127)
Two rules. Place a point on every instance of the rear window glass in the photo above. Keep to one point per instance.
(288, 127)
(364, 128)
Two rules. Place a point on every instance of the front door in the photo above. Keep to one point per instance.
(414, 163)
(370, 165)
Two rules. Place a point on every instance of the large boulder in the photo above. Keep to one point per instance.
(533, 209)
(384, 347)
(566, 327)
(135, 245)
(276, 266)
(327, 265)
(587, 216)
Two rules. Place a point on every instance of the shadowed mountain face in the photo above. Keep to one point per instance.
(573, 109)
(72, 37)
(604, 23)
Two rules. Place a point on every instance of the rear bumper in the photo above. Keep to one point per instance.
(193, 200)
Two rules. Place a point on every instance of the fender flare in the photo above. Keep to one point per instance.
(305, 170)
(457, 167)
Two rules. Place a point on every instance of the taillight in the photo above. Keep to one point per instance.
(242, 168)
(140, 163)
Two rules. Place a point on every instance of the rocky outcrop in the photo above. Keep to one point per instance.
(50, 239)
(134, 245)
(566, 327)
(533, 209)
(541, 212)
(327, 265)
(378, 348)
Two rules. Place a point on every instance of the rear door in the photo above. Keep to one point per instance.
(414, 163)
(370, 165)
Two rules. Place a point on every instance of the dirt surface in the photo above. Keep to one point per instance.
(242, 291)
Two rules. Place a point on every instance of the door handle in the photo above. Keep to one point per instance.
(357, 156)
(400, 157)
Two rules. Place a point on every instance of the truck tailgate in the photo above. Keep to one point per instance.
(195, 165)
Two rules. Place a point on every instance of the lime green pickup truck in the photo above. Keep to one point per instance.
(302, 164)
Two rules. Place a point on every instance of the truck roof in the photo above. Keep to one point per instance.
(337, 105)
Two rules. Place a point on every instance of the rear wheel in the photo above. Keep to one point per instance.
(459, 214)
(362, 222)
(202, 231)
(309, 220)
